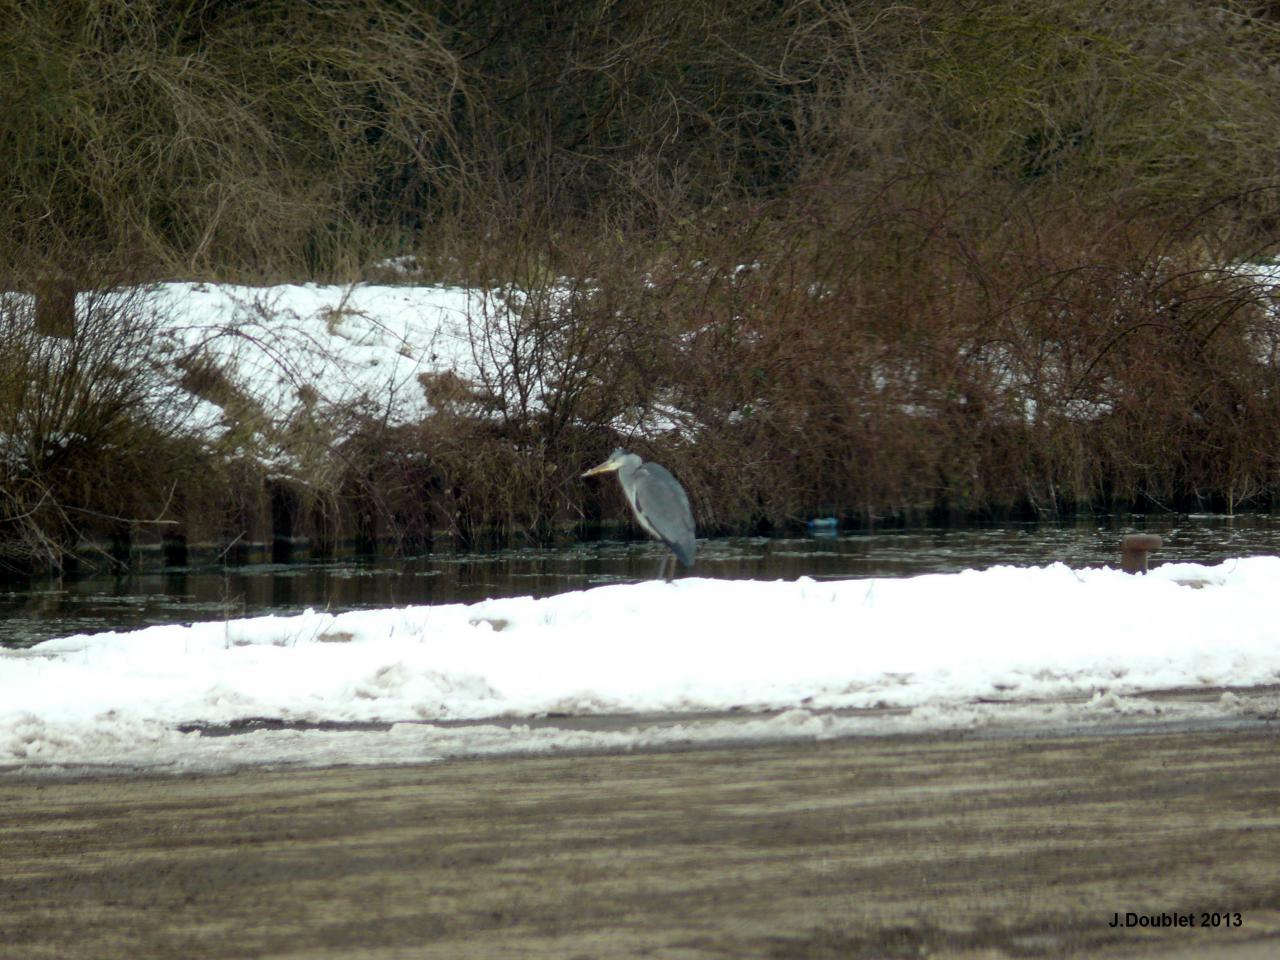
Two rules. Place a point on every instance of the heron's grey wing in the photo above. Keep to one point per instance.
(662, 507)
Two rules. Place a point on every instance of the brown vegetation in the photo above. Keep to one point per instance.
(921, 261)
(83, 420)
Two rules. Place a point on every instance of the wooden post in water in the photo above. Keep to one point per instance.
(1134, 548)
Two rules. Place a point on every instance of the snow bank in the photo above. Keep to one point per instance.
(926, 652)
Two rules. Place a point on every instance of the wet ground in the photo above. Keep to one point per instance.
(888, 847)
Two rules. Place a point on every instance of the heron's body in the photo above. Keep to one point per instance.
(658, 501)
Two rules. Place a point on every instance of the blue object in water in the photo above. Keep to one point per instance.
(823, 527)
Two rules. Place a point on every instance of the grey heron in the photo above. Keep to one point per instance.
(659, 502)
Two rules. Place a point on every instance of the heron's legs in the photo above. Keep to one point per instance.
(667, 566)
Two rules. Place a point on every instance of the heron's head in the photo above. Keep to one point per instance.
(616, 460)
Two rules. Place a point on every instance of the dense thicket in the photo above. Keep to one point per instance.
(909, 259)
(266, 137)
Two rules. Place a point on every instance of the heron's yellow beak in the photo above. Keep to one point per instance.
(605, 467)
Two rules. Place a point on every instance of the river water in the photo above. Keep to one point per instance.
(35, 610)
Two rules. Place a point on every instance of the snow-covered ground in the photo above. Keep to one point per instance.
(356, 345)
(1048, 646)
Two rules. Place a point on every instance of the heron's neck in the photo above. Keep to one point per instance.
(627, 471)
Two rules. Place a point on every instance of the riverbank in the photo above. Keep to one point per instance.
(942, 846)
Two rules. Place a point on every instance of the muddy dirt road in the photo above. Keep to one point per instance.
(895, 847)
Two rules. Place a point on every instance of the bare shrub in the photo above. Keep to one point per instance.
(901, 357)
(261, 137)
(82, 418)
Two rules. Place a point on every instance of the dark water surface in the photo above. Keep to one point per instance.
(35, 610)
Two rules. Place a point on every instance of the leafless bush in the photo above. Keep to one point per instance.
(258, 138)
(83, 415)
(903, 357)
